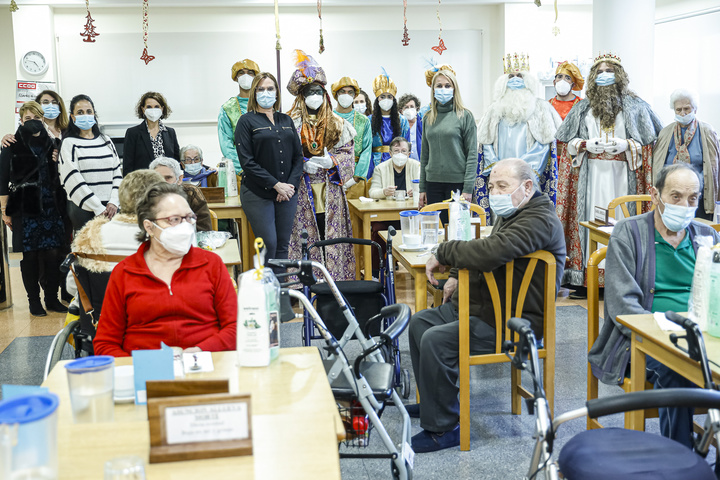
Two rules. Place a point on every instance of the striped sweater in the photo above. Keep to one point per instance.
(90, 172)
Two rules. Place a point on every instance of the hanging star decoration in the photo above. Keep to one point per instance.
(440, 48)
(145, 57)
(13, 6)
(89, 33)
(555, 29)
(406, 37)
(322, 42)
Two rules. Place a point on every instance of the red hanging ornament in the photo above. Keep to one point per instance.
(145, 57)
(406, 37)
(440, 48)
(89, 33)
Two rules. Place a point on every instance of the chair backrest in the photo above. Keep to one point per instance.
(624, 200)
(474, 208)
(501, 317)
(213, 194)
(593, 297)
(213, 219)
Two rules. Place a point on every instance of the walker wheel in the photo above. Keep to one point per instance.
(405, 385)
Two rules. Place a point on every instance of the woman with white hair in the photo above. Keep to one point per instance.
(197, 173)
(688, 140)
(448, 155)
(170, 170)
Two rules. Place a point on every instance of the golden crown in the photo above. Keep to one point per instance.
(607, 57)
(514, 63)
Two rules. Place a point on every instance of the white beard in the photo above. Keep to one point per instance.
(516, 106)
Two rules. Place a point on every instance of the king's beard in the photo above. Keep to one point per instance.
(606, 104)
(516, 106)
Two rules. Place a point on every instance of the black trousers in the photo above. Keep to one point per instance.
(47, 261)
(438, 191)
(78, 216)
(270, 220)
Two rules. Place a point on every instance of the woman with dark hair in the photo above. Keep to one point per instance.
(168, 291)
(152, 138)
(387, 123)
(32, 201)
(363, 104)
(271, 157)
(409, 106)
(55, 116)
(89, 166)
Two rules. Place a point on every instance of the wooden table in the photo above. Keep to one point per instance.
(414, 262)
(716, 226)
(362, 214)
(232, 209)
(649, 339)
(596, 236)
(295, 425)
(230, 255)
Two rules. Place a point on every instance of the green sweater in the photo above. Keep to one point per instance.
(449, 149)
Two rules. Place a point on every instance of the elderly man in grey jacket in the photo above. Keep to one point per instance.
(649, 267)
(527, 222)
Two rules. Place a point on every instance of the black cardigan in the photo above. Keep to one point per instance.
(137, 149)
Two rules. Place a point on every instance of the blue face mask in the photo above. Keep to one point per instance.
(51, 111)
(516, 83)
(443, 95)
(502, 204)
(676, 217)
(605, 79)
(266, 99)
(686, 120)
(193, 168)
(85, 122)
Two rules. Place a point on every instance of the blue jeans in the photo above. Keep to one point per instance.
(675, 423)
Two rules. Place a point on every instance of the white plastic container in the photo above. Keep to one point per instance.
(410, 226)
(416, 192)
(91, 383)
(258, 321)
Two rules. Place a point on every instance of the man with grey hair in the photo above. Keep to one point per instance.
(170, 170)
(196, 173)
(649, 268)
(526, 223)
(690, 141)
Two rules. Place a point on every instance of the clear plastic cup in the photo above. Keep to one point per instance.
(125, 468)
(416, 192)
(429, 226)
(410, 225)
(91, 382)
(28, 437)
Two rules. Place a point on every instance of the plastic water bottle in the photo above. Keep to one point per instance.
(222, 177)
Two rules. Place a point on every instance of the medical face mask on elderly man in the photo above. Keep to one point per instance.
(676, 217)
(502, 204)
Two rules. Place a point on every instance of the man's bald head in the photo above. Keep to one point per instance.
(516, 168)
(515, 177)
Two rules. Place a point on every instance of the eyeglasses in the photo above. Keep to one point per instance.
(173, 220)
(193, 160)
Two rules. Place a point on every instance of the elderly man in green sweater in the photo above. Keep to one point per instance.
(527, 222)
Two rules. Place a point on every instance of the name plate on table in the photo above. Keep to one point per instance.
(600, 215)
(199, 425)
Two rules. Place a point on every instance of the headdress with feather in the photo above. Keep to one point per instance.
(384, 84)
(307, 71)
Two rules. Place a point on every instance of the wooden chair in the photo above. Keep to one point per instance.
(624, 200)
(437, 292)
(214, 220)
(503, 310)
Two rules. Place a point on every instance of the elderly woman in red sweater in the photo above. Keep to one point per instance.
(169, 291)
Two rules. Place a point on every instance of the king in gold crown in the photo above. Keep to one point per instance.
(607, 57)
(515, 64)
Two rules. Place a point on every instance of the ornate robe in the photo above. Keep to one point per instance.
(322, 192)
(602, 177)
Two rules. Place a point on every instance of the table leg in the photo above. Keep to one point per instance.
(420, 291)
(367, 250)
(246, 247)
(636, 420)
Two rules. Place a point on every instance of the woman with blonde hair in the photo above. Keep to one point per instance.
(55, 116)
(448, 159)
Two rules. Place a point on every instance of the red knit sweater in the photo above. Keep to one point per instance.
(197, 309)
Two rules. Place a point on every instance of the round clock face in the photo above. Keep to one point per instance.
(34, 63)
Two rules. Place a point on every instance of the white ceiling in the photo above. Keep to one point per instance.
(238, 3)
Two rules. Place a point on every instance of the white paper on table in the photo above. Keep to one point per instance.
(666, 324)
(606, 229)
(365, 200)
(204, 361)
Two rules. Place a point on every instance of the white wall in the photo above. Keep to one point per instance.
(241, 32)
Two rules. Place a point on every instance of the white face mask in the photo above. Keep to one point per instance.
(360, 107)
(410, 114)
(245, 81)
(386, 104)
(345, 100)
(562, 88)
(685, 120)
(178, 239)
(153, 114)
(314, 102)
(399, 159)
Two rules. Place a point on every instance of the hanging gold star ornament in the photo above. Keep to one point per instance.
(89, 33)
(440, 48)
(322, 43)
(406, 37)
(555, 29)
(13, 6)
(145, 57)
